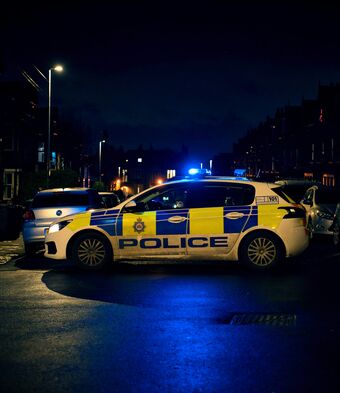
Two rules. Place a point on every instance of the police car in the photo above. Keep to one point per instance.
(206, 218)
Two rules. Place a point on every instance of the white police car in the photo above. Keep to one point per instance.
(206, 218)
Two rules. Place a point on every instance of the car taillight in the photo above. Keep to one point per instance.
(29, 215)
(294, 212)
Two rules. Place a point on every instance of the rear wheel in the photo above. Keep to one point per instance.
(92, 251)
(261, 251)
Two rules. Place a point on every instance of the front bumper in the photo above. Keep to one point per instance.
(56, 244)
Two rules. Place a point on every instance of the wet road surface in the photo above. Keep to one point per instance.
(198, 327)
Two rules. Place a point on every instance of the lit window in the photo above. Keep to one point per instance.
(328, 179)
(170, 173)
(140, 159)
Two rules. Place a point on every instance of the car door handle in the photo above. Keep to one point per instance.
(176, 219)
(234, 215)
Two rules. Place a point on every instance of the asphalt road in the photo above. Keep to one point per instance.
(180, 328)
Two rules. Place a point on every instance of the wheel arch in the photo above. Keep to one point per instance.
(259, 231)
(85, 232)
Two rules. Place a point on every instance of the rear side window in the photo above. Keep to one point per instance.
(281, 192)
(219, 194)
(61, 199)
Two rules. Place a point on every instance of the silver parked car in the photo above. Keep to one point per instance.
(320, 204)
(110, 199)
(48, 205)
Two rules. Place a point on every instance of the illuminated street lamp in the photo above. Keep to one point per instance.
(100, 159)
(57, 68)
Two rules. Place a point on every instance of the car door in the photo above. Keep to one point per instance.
(156, 225)
(218, 212)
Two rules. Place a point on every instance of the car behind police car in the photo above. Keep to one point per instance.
(207, 218)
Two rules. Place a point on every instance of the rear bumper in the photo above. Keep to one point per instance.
(33, 233)
(297, 241)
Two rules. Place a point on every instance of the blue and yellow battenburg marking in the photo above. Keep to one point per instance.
(179, 222)
(106, 220)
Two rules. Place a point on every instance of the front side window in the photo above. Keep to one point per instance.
(163, 198)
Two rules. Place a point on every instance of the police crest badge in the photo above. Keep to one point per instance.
(139, 226)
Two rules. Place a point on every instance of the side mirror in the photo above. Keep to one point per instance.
(132, 207)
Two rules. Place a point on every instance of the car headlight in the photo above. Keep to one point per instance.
(58, 226)
(324, 215)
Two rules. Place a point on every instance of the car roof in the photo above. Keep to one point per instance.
(297, 182)
(236, 180)
(70, 189)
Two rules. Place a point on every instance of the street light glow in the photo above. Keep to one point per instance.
(58, 68)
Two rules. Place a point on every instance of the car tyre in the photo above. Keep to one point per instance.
(336, 240)
(261, 251)
(91, 251)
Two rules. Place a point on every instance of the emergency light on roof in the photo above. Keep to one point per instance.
(240, 172)
(199, 172)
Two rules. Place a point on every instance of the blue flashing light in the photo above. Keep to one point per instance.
(240, 172)
(199, 172)
(193, 171)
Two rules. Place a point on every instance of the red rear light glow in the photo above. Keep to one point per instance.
(29, 215)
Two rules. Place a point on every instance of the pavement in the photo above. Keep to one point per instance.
(10, 249)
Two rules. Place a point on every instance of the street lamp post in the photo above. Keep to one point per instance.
(57, 68)
(100, 159)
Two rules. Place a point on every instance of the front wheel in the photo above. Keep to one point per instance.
(261, 251)
(91, 251)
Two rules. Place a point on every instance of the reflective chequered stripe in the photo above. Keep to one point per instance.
(206, 220)
(270, 216)
(213, 220)
(252, 220)
(237, 225)
(105, 220)
(82, 220)
(142, 223)
(172, 222)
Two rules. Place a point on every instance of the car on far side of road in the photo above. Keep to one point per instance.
(335, 227)
(48, 205)
(110, 199)
(296, 188)
(320, 203)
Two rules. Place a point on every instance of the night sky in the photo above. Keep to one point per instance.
(173, 74)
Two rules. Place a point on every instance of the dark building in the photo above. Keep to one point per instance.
(23, 141)
(299, 141)
(136, 170)
(18, 137)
